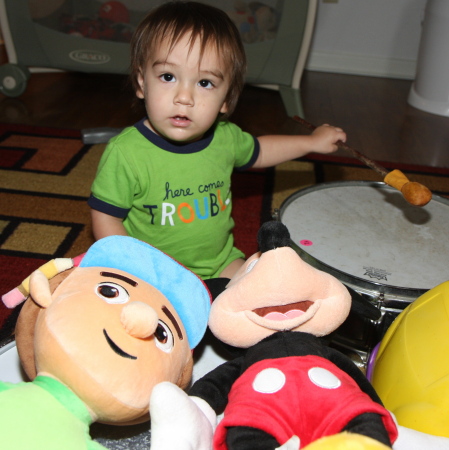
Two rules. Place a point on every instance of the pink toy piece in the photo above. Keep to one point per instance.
(13, 298)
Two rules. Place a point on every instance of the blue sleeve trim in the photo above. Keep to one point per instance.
(253, 159)
(107, 208)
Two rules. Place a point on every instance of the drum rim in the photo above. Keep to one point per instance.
(399, 292)
(7, 344)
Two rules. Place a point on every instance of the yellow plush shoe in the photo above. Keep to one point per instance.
(346, 441)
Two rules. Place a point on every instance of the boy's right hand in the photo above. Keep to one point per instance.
(325, 138)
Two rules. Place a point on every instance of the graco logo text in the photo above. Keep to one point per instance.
(89, 57)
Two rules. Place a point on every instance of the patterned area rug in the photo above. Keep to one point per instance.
(45, 179)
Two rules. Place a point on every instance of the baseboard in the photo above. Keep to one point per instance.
(367, 65)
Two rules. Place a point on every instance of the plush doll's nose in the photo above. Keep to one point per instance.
(139, 319)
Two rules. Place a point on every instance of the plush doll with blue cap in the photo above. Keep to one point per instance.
(95, 334)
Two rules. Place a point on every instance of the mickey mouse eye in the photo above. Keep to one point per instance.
(163, 337)
(251, 265)
(112, 293)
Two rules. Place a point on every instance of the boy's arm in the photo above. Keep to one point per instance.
(276, 149)
(105, 225)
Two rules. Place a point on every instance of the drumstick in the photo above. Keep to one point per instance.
(415, 193)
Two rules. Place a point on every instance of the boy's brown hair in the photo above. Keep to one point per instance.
(210, 25)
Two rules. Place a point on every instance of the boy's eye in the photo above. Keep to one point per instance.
(168, 77)
(206, 84)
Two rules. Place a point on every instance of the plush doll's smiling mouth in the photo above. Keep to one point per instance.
(284, 312)
(116, 348)
(284, 317)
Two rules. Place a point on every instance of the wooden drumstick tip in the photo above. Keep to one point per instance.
(415, 193)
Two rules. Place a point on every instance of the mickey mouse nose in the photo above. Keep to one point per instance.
(139, 319)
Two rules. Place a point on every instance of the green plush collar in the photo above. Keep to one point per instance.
(64, 396)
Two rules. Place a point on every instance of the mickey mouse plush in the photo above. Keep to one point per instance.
(288, 384)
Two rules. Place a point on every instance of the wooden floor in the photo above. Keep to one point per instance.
(373, 111)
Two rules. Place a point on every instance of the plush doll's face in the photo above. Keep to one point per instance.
(277, 291)
(111, 337)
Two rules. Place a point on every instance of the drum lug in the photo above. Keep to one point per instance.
(276, 214)
(380, 300)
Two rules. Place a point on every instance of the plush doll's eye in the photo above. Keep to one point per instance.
(163, 337)
(112, 293)
(251, 265)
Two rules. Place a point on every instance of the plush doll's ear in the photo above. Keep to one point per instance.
(40, 289)
(24, 330)
(216, 286)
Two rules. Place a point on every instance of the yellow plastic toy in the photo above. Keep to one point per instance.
(411, 369)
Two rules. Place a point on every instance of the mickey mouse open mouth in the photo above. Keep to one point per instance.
(284, 317)
(116, 348)
(284, 312)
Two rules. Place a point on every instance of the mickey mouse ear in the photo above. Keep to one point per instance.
(271, 235)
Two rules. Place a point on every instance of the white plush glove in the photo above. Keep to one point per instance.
(409, 439)
(178, 421)
(292, 444)
(206, 409)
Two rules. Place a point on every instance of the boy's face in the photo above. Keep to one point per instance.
(183, 95)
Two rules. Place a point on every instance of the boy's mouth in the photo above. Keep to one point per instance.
(180, 121)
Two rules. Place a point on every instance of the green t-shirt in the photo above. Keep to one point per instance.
(43, 415)
(176, 197)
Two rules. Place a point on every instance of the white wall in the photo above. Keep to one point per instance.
(367, 37)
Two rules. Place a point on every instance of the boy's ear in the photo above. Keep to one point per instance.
(140, 92)
(224, 108)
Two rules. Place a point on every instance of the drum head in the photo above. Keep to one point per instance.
(367, 235)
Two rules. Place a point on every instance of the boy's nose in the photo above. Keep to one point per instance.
(184, 96)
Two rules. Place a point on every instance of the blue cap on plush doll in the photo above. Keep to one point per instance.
(185, 290)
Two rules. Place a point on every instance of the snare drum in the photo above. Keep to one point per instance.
(10, 368)
(368, 236)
